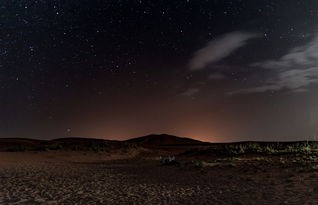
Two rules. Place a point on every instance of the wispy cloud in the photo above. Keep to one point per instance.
(294, 71)
(217, 76)
(306, 55)
(219, 49)
(190, 92)
(296, 80)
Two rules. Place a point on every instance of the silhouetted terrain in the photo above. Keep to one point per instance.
(85, 144)
(164, 142)
(66, 144)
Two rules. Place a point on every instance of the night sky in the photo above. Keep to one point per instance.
(210, 70)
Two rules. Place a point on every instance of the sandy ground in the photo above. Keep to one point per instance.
(92, 178)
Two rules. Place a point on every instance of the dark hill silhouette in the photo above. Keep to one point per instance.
(155, 144)
(20, 144)
(164, 140)
(23, 144)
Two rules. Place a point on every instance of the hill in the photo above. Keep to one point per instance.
(164, 140)
(91, 144)
(67, 144)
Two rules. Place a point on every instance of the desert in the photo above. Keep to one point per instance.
(134, 173)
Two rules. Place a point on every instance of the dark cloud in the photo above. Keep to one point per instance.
(294, 71)
(190, 92)
(217, 76)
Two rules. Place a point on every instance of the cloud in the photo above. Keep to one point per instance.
(306, 55)
(219, 49)
(190, 92)
(217, 76)
(296, 80)
(294, 71)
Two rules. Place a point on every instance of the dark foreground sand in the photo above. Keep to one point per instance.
(35, 178)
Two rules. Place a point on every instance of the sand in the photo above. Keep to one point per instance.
(97, 178)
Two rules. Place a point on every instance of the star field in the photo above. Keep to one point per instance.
(120, 69)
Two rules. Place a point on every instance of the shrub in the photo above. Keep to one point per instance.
(168, 161)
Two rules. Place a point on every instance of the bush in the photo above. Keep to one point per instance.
(168, 161)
